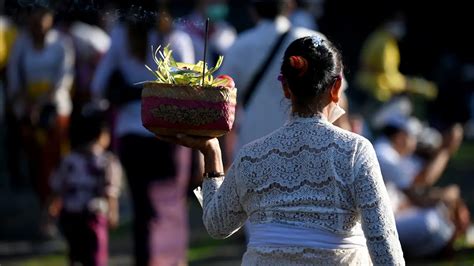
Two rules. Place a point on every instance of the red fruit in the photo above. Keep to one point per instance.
(229, 81)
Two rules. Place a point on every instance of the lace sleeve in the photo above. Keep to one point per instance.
(223, 213)
(377, 217)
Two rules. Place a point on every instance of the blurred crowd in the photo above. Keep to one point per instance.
(70, 105)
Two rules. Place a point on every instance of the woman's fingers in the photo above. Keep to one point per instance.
(194, 142)
(192, 139)
(184, 140)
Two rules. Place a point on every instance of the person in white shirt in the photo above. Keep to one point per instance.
(397, 146)
(428, 219)
(265, 109)
(90, 44)
(40, 75)
(157, 172)
(312, 193)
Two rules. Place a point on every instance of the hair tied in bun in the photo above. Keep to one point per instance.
(299, 63)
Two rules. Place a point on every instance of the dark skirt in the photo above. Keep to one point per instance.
(87, 237)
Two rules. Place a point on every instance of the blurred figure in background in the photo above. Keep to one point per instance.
(254, 64)
(429, 218)
(157, 172)
(40, 76)
(90, 44)
(221, 34)
(397, 148)
(379, 78)
(8, 34)
(87, 185)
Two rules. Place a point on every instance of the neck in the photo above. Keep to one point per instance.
(306, 112)
(311, 110)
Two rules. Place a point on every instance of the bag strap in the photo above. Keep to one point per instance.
(21, 69)
(263, 68)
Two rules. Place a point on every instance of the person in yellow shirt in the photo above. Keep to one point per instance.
(8, 35)
(379, 73)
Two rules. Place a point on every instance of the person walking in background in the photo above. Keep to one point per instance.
(87, 185)
(261, 47)
(40, 75)
(312, 192)
(90, 44)
(157, 172)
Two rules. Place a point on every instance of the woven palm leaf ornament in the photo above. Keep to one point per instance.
(186, 98)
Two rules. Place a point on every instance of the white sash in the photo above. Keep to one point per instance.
(281, 235)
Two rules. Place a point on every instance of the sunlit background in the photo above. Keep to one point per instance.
(436, 47)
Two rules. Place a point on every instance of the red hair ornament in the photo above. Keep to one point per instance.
(299, 63)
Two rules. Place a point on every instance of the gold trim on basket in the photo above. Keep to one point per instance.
(189, 116)
(186, 92)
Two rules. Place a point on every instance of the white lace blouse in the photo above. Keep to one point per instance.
(307, 174)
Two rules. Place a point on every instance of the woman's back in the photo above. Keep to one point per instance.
(312, 192)
(303, 175)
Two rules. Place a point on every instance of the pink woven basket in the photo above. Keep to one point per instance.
(169, 109)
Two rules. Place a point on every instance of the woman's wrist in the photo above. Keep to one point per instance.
(212, 158)
(211, 148)
(212, 175)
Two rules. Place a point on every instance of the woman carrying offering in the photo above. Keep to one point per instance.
(312, 192)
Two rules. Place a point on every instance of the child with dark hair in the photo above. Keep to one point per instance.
(87, 185)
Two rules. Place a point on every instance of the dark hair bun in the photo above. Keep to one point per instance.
(310, 66)
(299, 63)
